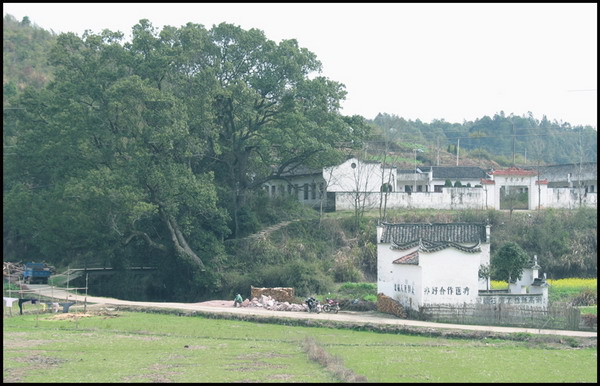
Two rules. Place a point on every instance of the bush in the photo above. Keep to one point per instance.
(586, 298)
(589, 320)
(346, 271)
(358, 290)
(306, 277)
(357, 305)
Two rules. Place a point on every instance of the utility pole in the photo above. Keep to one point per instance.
(457, 150)
(513, 128)
(438, 151)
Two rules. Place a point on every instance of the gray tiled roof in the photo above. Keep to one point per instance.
(559, 172)
(439, 232)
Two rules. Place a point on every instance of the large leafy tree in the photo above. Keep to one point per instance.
(145, 150)
(103, 161)
(264, 109)
(259, 107)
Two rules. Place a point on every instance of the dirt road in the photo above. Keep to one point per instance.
(226, 307)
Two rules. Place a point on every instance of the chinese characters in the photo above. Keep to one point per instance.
(447, 290)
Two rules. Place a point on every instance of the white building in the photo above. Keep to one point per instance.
(433, 178)
(430, 265)
(358, 176)
(425, 264)
(371, 185)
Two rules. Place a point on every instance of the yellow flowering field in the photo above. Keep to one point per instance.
(574, 283)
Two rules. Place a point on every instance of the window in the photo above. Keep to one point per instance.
(314, 191)
(407, 188)
(273, 190)
(306, 191)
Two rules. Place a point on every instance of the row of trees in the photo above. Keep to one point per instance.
(150, 150)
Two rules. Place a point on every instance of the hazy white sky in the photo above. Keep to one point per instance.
(427, 61)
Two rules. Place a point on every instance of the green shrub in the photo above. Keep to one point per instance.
(346, 271)
(306, 277)
(587, 297)
(358, 290)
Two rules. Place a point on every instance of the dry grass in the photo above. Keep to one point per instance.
(333, 364)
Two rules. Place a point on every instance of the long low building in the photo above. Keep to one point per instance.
(370, 185)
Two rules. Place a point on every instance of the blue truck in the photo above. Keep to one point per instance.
(36, 273)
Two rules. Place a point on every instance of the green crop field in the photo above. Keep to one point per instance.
(124, 346)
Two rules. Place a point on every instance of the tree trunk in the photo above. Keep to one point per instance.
(181, 246)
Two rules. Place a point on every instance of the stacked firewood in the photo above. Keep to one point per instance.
(390, 306)
(280, 294)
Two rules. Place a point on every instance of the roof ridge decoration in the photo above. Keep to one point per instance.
(404, 246)
(431, 246)
(434, 246)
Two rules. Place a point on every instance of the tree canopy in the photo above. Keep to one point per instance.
(151, 147)
(508, 262)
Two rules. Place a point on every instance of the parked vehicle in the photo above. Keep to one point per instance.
(313, 305)
(36, 273)
(331, 306)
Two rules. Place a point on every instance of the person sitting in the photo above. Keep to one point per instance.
(238, 300)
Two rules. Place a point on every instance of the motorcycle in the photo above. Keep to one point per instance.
(331, 306)
(313, 305)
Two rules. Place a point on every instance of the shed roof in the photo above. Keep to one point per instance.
(406, 234)
(411, 258)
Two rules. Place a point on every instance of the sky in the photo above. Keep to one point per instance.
(450, 61)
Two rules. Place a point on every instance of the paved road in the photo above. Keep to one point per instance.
(342, 316)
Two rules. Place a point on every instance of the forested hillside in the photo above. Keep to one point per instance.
(489, 140)
(25, 55)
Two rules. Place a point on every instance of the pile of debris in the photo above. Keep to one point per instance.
(268, 303)
(12, 272)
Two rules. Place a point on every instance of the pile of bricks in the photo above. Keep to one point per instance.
(390, 306)
(280, 294)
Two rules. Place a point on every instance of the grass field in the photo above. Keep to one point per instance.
(143, 347)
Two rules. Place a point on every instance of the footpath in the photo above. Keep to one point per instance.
(225, 307)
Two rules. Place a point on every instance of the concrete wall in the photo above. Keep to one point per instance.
(449, 276)
(465, 198)
(401, 282)
(566, 198)
(449, 198)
